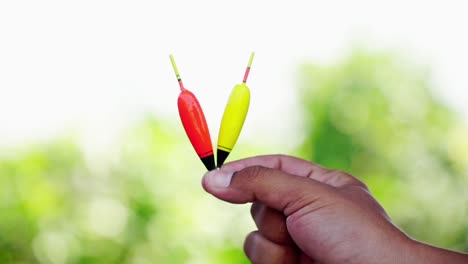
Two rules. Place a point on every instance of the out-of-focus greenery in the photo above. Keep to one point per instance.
(372, 115)
(376, 117)
(142, 203)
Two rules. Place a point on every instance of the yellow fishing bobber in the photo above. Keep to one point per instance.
(233, 117)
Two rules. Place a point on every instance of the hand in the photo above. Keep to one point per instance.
(308, 214)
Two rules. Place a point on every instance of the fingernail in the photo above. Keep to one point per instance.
(218, 178)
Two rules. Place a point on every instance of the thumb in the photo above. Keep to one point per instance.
(276, 189)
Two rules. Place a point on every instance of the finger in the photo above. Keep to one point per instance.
(304, 259)
(271, 224)
(295, 166)
(260, 250)
(281, 191)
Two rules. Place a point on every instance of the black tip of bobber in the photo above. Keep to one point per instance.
(209, 162)
(221, 157)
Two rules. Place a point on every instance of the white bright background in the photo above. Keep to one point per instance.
(97, 66)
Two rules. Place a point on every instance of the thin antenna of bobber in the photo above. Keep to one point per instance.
(246, 74)
(176, 72)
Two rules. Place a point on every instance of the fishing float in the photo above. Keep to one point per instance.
(194, 122)
(234, 117)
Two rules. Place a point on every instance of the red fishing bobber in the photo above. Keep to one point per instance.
(194, 122)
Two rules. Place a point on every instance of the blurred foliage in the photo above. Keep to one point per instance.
(140, 202)
(375, 116)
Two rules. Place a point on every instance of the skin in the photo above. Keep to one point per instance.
(306, 213)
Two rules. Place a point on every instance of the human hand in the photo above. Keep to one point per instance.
(306, 213)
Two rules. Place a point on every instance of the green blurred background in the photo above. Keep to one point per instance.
(372, 114)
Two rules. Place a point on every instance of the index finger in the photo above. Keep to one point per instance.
(295, 166)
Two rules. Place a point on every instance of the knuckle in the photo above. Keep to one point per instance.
(281, 156)
(362, 185)
(253, 173)
(343, 174)
(249, 244)
(254, 209)
(349, 178)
